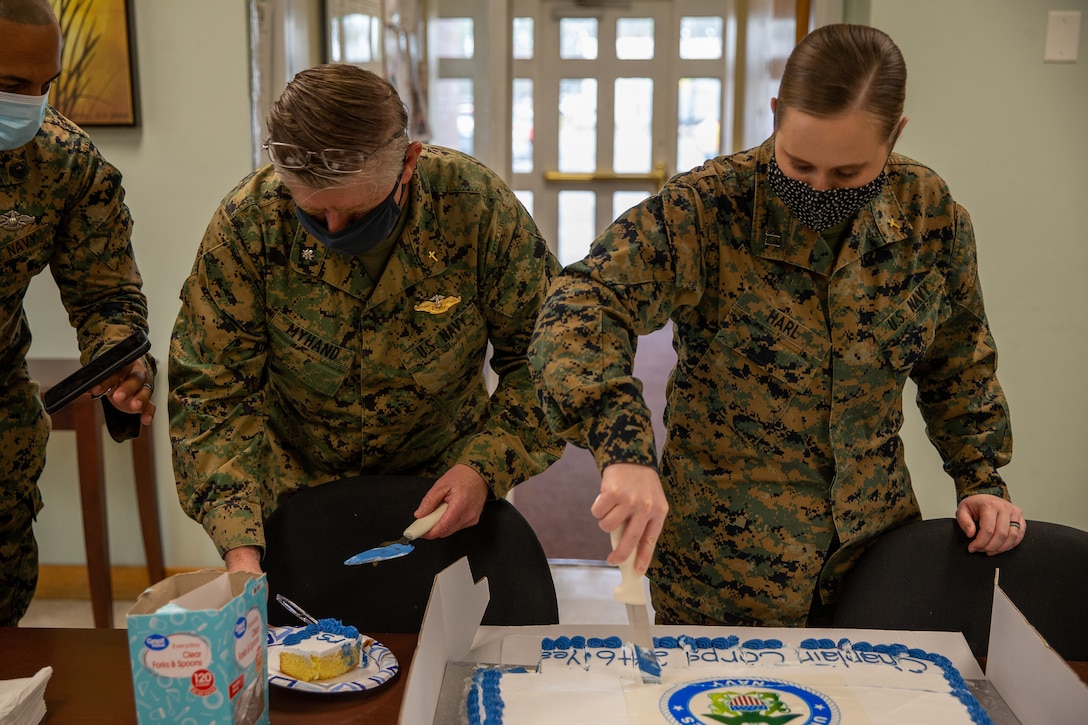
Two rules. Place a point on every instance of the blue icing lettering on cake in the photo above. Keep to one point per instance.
(330, 626)
(709, 681)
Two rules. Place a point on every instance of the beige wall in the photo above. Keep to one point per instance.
(1004, 129)
(1007, 132)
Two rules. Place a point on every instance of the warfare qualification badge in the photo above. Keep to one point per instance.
(437, 304)
(13, 220)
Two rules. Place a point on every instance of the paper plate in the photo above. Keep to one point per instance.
(380, 668)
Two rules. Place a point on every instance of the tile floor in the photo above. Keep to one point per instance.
(584, 590)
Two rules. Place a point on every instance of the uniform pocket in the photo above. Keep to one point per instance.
(905, 335)
(305, 364)
(757, 363)
(451, 355)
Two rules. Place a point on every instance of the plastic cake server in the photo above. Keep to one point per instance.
(402, 546)
(632, 593)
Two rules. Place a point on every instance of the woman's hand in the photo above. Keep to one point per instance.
(631, 494)
(993, 524)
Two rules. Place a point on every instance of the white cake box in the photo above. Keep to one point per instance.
(198, 647)
(1033, 681)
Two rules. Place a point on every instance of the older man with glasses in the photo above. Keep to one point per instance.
(337, 319)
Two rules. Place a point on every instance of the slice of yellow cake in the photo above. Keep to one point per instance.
(322, 651)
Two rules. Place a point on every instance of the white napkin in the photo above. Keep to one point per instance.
(22, 701)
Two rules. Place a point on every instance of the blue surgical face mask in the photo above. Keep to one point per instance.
(20, 118)
(360, 236)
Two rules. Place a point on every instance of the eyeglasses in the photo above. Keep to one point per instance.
(338, 161)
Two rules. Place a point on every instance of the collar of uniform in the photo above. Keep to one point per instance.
(880, 222)
(777, 235)
(422, 252)
(14, 168)
(311, 258)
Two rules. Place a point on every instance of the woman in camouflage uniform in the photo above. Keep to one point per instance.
(62, 207)
(337, 318)
(806, 280)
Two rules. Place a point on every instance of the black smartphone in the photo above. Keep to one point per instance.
(97, 370)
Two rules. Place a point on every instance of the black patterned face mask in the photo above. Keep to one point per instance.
(821, 210)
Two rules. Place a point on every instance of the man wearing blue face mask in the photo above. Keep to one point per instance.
(337, 318)
(61, 207)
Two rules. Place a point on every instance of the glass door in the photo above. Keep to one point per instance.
(611, 98)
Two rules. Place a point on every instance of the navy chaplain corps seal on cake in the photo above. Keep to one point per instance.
(747, 700)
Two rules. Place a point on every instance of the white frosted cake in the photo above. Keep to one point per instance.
(321, 651)
(723, 680)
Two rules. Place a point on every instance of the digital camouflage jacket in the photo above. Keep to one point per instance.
(784, 409)
(62, 207)
(289, 368)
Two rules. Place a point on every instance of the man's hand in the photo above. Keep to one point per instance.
(244, 558)
(631, 494)
(129, 391)
(993, 524)
(464, 491)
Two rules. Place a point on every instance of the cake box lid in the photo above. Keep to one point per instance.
(1031, 677)
(450, 623)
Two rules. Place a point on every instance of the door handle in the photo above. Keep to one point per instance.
(658, 175)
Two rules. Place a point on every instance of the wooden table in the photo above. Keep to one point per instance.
(92, 680)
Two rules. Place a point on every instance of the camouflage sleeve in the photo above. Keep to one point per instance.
(638, 271)
(216, 402)
(965, 410)
(93, 263)
(516, 443)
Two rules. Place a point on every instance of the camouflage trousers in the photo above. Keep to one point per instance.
(670, 610)
(24, 431)
(18, 559)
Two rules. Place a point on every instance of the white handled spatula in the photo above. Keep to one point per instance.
(402, 546)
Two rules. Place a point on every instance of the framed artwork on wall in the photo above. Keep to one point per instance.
(97, 82)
